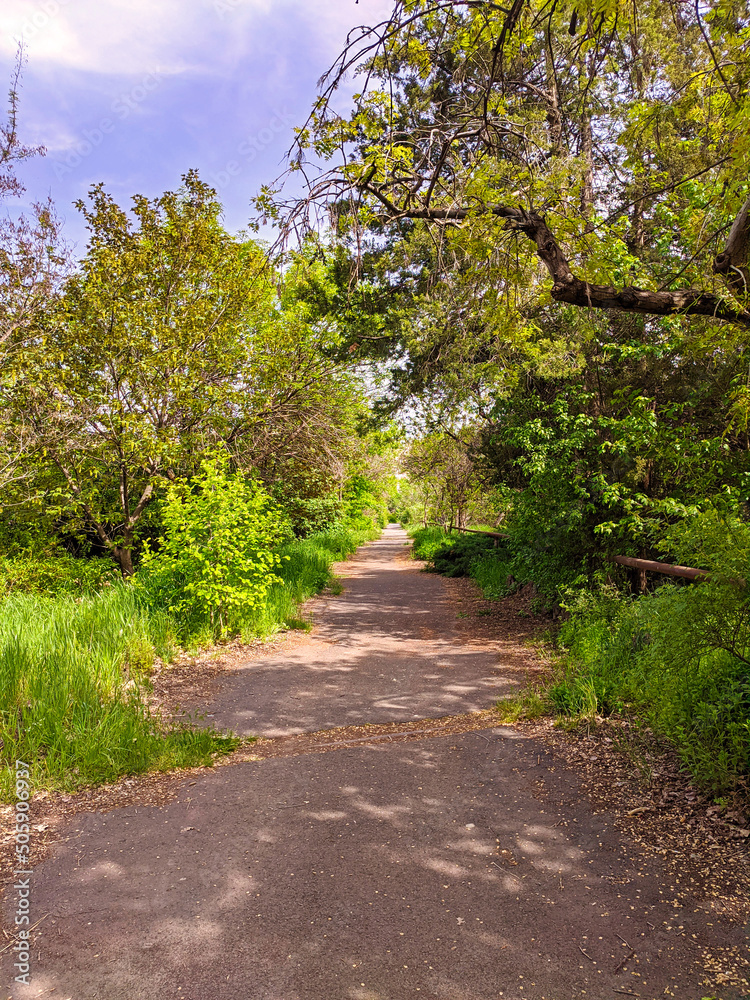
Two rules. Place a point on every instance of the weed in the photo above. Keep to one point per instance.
(531, 703)
(299, 624)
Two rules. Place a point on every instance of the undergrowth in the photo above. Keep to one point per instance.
(74, 669)
(675, 661)
(457, 554)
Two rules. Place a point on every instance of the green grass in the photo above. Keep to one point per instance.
(74, 672)
(72, 696)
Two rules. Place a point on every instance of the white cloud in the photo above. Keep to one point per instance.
(139, 36)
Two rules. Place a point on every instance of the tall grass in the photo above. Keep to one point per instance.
(72, 701)
(73, 672)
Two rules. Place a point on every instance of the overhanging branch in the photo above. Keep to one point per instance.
(567, 287)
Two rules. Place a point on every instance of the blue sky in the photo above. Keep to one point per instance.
(135, 92)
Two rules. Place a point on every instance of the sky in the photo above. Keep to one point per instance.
(133, 93)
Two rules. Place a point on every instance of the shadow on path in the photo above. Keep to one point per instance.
(383, 651)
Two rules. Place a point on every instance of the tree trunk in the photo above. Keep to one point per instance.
(123, 555)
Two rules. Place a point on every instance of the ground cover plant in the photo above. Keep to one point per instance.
(675, 661)
(452, 553)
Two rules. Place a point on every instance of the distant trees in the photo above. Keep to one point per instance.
(445, 479)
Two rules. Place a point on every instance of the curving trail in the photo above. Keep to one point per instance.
(383, 651)
(450, 867)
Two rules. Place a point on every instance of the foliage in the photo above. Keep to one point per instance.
(144, 359)
(72, 695)
(59, 573)
(216, 559)
(73, 669)
(452, 554)
(445, 477)
(681, 655)
(305, 570)
(501, 160)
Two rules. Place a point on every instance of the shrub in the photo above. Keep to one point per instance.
(57, 573)
(677, 659)
(216, 559)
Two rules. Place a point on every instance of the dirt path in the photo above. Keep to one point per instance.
(383, 651)
(415, 860)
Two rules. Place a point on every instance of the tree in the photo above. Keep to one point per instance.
(448, 482)
(593, 154)
(173, 338)
(147, 359)
(33, 264)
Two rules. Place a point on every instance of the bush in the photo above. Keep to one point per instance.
(456, 554)
(59, 573)
(216, 560)
(679, 660)
(427, 541)
(305, 570)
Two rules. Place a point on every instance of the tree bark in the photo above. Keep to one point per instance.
(732, 262)
(569, 288)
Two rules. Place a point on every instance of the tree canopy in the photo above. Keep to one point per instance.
(592, 153)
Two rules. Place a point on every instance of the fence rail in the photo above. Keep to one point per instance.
(645, 565)
(668, 569)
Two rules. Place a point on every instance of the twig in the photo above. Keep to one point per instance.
(505, 871)
(586, 955)
(29, 932)
(625, 960)
(626, 992)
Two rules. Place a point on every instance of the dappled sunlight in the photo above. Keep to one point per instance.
(423, 868)
(354, 686)
(447, 868)
(105, 869)
(382, 651)
(392, 812)
(327, 815)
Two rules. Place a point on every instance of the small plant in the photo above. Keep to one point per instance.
(217, 558)
(530, 703)
(298, 624)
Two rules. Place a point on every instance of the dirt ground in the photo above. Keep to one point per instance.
(374, 844)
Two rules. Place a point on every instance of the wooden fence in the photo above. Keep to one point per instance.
(642, 565)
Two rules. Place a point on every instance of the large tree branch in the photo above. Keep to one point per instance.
(567, 287)
(734, 259)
